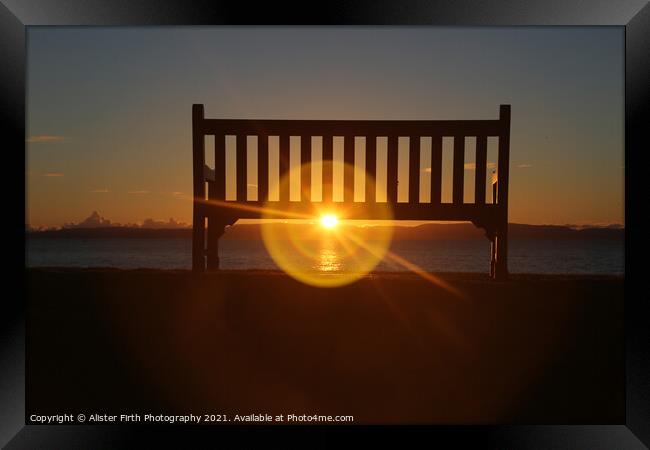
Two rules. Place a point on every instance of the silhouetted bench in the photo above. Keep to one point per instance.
(210, 183)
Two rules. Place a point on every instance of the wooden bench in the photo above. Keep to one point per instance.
(211, 205)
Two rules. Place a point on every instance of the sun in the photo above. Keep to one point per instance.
(335, 252)
(329, 221)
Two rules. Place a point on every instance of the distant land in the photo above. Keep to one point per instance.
(425, 232)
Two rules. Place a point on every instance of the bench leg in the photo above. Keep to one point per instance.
(493, 257)
(198, 241)
(216, 228)
(501, 248)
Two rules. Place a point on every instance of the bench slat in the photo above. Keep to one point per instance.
(351, 127)
(284, 159)
(504, 155)
(391, 169)
(414, 169)
(481, 166)
(371, 169)
(459, 169)
(263, 168)
(305, 168)
(359, 210)
(242, 168)
(328, 167)
(436, 169)
(219, 167)
(348, 159)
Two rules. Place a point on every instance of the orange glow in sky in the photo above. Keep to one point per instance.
(109, 109)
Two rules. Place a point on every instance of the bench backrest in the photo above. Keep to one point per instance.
(210, 183)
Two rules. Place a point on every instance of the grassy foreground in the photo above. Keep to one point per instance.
(390, 348)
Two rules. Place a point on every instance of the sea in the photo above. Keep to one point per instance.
(604, 257)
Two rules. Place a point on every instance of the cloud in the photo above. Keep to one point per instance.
(53, 174)
(178, 195)
(468, 166)
(99, 191)
(45, 138)
(137, 192)
(472, 166)
(524, 166)
(171, 223)
(595, 224)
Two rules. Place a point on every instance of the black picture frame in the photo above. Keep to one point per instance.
(634, 15)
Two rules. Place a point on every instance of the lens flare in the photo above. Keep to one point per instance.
(333, 249)
(329, 221)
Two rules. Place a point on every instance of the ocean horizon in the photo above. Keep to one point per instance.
(601, 257)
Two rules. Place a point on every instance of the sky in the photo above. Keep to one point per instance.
(109, 108)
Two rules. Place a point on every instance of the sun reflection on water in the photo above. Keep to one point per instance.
(333, 251)
(329, 258)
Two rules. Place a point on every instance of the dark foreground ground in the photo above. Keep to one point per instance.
(387, 349)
